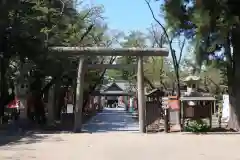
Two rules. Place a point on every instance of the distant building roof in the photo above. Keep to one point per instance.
(117, 87)
(113, 87)
(123, 84)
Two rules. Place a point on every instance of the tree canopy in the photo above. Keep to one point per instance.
(29, 27)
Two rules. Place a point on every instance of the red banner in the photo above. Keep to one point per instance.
(14, 104)
(173, 103)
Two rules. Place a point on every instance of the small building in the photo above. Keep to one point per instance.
(117, 91)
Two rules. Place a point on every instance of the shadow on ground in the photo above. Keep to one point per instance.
(109, 120)
(20, 138)
(14, 134)
(27, 133)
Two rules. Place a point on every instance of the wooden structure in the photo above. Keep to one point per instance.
(112, 66)
(171, 107)
(81, 52)
(201, 108)
(155, 95)
(113, 92)
(154, 111)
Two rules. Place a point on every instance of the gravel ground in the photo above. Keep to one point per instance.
(113, 141)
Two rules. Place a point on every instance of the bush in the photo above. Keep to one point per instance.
(197, 126)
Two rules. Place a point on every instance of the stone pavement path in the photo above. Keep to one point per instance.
(104, 143)
(111, 120)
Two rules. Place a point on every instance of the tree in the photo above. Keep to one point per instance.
(30, 27)
(133, 39)
(157, 68)
(169, 40)
(212, 26)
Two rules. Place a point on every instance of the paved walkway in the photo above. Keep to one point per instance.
(112, 120)
(104, 143)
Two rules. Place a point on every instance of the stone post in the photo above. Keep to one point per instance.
(79, 96)
(141, 97)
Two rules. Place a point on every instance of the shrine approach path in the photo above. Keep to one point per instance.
(112, 135)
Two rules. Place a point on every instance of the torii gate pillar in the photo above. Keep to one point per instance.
(141, 97)
(79, 96)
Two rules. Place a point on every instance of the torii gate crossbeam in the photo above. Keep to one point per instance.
(101, 51)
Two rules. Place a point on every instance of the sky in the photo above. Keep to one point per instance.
(128, 15)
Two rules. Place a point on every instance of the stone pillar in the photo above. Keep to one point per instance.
(93, 105)
(103, 104)
(79, 96)
(141, 97)
(99, 102)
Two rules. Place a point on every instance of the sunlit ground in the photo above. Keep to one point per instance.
(112, 135)
(125, 145)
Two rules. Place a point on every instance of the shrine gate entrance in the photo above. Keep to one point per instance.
(83, 52)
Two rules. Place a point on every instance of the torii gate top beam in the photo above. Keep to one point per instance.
(103, 51)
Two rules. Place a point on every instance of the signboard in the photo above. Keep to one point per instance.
(226, 108)
(70, 97)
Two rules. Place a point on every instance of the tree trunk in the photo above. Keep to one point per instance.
(234, 100)
(233, 83)
(3, 86)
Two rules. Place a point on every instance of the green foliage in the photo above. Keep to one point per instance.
(206, 23)
(134, 39)
(30, 27)
(114, 74)
(211, 27)
(197, 126)
(157, 70)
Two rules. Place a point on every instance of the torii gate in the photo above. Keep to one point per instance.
(82, 52)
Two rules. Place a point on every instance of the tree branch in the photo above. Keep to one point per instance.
(159, 44)
(175, 61)
(166, 34)
(148, 82)
(173, 54)
(181, 51)
(63, 6)
(86, 32)
(59, 76)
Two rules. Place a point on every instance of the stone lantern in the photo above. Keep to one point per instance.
(192, 83)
